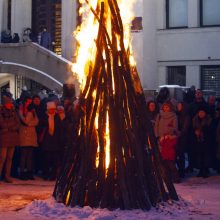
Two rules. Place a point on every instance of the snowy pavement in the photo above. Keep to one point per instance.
(31, 200)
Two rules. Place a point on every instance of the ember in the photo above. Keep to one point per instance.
(115, 162)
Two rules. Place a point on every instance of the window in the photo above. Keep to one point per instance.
(48, 14)
(9, 15)
(176, 75)
(136, 25)
(210, 12)
(210, 79)
(176, 13)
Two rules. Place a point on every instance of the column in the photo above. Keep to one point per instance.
(150, 74)
(162, 75)
(21, 16)
(160, 15)
(193, 13)
(3, 15)
(68, 27)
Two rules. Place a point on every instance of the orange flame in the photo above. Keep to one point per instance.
(85, 54)
(87, 33)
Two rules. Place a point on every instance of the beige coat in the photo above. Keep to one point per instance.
(166, 124)
(27, 133)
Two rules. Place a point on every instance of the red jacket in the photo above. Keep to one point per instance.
(168, 148)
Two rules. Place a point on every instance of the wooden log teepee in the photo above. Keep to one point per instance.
(115, 161)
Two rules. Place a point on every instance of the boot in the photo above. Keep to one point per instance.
(30, 175)
(8, 179)
(205, 173)
(23, 176)
(200, 173)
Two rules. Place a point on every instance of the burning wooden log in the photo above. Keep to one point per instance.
(115, 162)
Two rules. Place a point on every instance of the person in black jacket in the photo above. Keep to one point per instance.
(201, 131)
(183, 137)
(50, 139)
(152, 111)
(199, 102)
(16, 38)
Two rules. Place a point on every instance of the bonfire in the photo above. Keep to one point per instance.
(115, 161)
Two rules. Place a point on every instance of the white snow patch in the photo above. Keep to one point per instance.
(199, 199)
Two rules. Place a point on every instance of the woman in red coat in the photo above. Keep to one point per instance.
(166, 130)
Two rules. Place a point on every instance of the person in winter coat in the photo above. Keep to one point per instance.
(28, 138)
(6, 36)
(183, 136)
(40, 111)
(201, 126)
(198, 102)
(26, 37)
(24, 93)
(166, 130)
(165, 96)
(152, 111)
(45, 40)
(51, 142)
(61, 112)
(9, 138)
(218, 149)
(16, 38)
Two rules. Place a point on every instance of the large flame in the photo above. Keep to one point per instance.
(85, 55)
(86, 35)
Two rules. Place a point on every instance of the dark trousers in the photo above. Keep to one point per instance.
(38, 160)
(26, 160)
(15, 162)
(170, 166)
(51, 167)
(181, 164)
(218, 165)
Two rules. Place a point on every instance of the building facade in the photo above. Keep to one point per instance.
(181, 37)
(177, 41)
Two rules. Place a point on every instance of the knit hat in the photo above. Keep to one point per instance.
(6, 99)
(51, 105)
(202, 108)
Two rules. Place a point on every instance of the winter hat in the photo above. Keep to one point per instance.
(202, 108)
(6, 99)
(51, 105)
(60, 107)
(24, 88)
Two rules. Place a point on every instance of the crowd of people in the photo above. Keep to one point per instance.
(188, 132)
(43, 37)
(35, 131)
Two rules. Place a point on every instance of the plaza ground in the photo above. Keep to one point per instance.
(30, 200)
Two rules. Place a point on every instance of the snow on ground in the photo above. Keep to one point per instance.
(31, 200)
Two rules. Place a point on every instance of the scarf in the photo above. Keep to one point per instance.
(51, 124)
